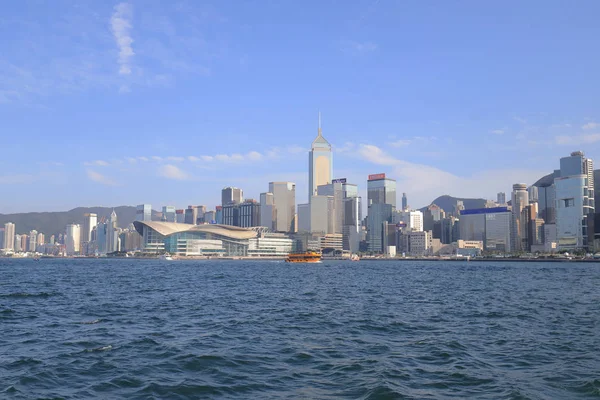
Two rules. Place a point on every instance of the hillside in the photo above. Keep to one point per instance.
(447, 203)
(53, 223)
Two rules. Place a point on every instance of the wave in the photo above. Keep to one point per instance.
(90, 322)
(97, 349)
(25, 294)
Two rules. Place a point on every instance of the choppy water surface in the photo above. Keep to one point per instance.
(377, 330)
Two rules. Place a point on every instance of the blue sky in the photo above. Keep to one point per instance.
(108, 103)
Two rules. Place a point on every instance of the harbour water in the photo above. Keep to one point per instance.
(120, 328)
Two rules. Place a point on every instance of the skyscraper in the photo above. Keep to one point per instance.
(112, 234)
(284, 201)
(404, 202)
(381, 202)
(231, 195)
(575, 203)
(520, 200)
(9, 236)
(17, 243)
(32, 240)
(89, 222)
(501, 199)
(267, 210)
(143, 212)
(335, 190)
(168, 213)
(72, 239)
(320, 163)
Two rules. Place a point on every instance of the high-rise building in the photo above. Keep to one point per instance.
(501, 199)
(112, 234)
(404, 202)
(24, 241)
(284, 201)
(143, 212)
(73, 237)
(191, 215)
(575, 202)
(249, 214)
(169, 214)
(520, 200)
(32, 241)
(231, 195)
(89, 222)
(180, 216)
(351, 228)
(492, 226)
(381, 190)
(532, 192)
(102, 238)
(547, 203)
(40, 240)
(304, 218)
(336, 191)
(18, 243)
(219, 214)
(320, 163)
(9, 236)
(321, 214)
(267, 210)
(210, 217)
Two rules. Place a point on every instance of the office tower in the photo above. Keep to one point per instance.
(200, 210)
(52, 239)
(249, 214)
(404, 202)
(546, 203)
(304, 217)
(72, 239)
(320, 163)
(231, 215)
(2, 231)
(501, 199)
(520, 200)
(321, 214)
(336, 191)
(381, 190)
(9, 236)
(191, 215)
(102, 237)
(210, 217)
(231, 195)
(351, 228)
(143, 212)
(169, 214)
(89, 222)
(18, 243)
(112, 234)
(267, 210)
(219, 214)
(575, 202)
(180, 216)
(460, 206)
(381, 201)
(532, 192)
(535, 230)
(284, 202)
(432, 214)
(32, 241)
(491, 226)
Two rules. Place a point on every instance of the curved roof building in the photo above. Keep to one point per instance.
(188, 239)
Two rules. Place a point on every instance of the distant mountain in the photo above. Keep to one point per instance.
(53, 223)
(447, 203)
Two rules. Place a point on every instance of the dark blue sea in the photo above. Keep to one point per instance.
(143, 329)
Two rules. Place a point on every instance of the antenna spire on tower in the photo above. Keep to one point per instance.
(320, 123)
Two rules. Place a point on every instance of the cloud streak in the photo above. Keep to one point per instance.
(171, 171)
(99, 178)
(120, 24)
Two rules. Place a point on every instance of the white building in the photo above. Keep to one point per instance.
(9, 236)
(270, 245)
(32, 241)
(72, 239)
(412, 219)
(143, 212)
(574, 202)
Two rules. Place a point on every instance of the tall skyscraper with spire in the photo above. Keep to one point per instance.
(320, 163)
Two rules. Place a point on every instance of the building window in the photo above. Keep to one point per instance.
(568, 203)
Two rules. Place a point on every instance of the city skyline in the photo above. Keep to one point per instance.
(169, 104)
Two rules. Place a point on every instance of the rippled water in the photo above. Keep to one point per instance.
(376, 330)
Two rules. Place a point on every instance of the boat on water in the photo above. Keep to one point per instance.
(304, 257)
(354, 257)
(165, 256)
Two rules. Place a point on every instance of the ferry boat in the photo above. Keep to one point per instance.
(304, 257)
(354, 257)
(166, 256)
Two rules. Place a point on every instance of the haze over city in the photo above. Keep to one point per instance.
(160, 103)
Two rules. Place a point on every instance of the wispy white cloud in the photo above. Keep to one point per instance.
(176, 159)
(400, 143)
(590, 126)
(348, 146)
(498, 132)
(427, 182)
(156, 158)
(99, 178)
(357, 47)
(577, 139)
(171, 171)
(17, 179)
(143, 158)
(120, 23)
(97, 163)
(254, 156)
(409, 141)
